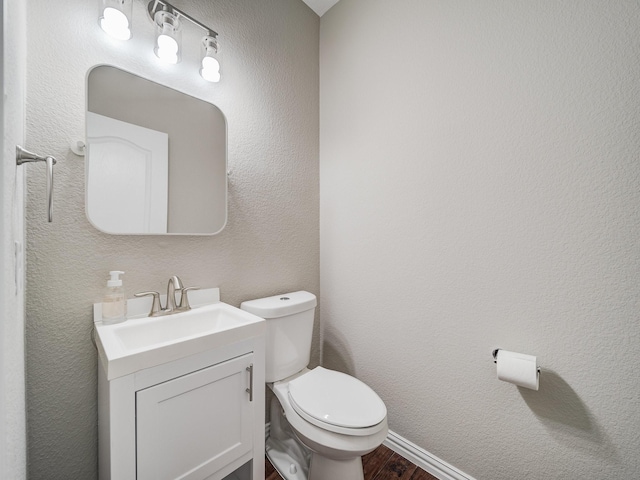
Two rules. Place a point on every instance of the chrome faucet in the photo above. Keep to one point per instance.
(175, 284)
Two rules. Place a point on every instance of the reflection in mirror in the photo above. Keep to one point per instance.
(156, 158)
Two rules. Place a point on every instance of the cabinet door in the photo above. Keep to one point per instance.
(192, 426)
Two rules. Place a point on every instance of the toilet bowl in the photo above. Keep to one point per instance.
(328, 425)
(322, 421)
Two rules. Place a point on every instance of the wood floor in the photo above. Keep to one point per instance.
(381, 464)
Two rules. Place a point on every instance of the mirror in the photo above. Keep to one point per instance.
(155, 158)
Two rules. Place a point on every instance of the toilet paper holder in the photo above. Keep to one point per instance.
(495, 355)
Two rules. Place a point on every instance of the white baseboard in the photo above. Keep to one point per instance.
(423, 459)
(418, 456)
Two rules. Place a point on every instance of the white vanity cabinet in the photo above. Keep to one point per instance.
(196, 415)
(200, 417)
(195, 424)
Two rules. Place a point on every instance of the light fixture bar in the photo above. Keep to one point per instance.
(155, 6)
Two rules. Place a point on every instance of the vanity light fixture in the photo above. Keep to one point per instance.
(115, 18)
(168, 21)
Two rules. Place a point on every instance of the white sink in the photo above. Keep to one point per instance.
(141, 343)
(142, 334)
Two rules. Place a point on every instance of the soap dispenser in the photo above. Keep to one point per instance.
(114, 303)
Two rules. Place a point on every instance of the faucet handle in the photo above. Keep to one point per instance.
(156, 308)
(184, 299)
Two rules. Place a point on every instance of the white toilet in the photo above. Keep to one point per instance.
(336, 417)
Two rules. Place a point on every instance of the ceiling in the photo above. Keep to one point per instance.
(320, 6)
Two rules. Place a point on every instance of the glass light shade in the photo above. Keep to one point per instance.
(115, 18)
(168, 39)
(210, 70)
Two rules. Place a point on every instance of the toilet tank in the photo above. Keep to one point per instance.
(289, 330)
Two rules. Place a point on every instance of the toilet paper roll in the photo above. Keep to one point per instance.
(518, 368)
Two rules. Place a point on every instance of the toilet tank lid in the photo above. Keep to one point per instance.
(281, 305)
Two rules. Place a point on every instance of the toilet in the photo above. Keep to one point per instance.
(322, 421)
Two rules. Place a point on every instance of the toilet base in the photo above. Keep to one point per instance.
(323, 468)
(327, 455)
(289, 467)
(286, 453)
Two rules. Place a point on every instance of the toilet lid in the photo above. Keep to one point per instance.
(335, 398)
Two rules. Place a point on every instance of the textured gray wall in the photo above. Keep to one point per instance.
(480, 188)
(269, 95)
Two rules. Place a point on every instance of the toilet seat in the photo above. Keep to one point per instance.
(336, 402)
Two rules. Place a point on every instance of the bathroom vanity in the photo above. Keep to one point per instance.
(182, 396)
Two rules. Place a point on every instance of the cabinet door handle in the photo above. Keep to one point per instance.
(250, 389)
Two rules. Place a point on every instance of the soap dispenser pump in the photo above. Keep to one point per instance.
(114, 303)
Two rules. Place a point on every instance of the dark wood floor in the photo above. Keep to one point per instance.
(381, 464)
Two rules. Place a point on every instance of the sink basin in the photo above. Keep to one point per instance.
(141, 343)
(147, 333)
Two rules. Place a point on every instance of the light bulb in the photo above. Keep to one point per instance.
(210, 75)
(115, 23)
(210, 63)
(210, 70)
(167, 49)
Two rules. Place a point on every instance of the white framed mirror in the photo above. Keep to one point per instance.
(156, 158)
